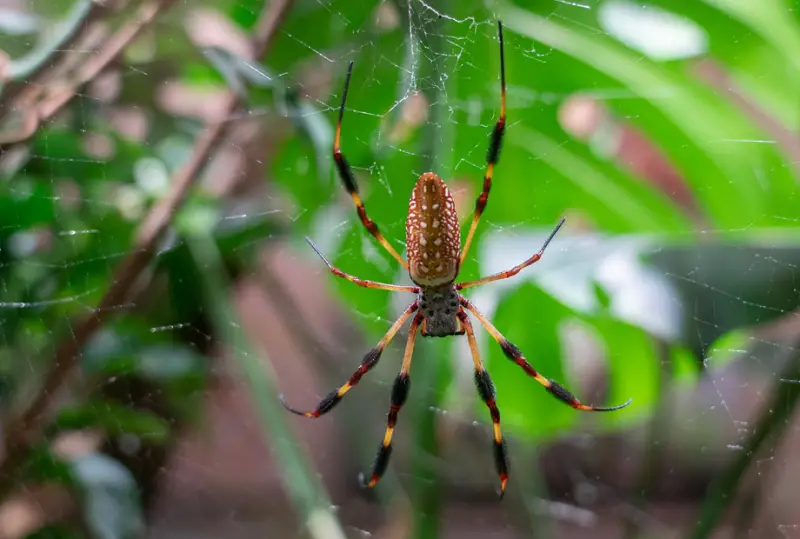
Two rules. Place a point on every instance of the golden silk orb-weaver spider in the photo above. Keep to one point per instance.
(435, 255)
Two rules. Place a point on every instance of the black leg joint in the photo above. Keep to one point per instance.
(500, 458)
(400, 390)
(330, 400)
(561, 393)
(371, 357)
(485, 386)
(510, 350)
(381, 461)
(345, 173)
(495, 142)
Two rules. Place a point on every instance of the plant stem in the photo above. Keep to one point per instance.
(774, 419)
(306, 492)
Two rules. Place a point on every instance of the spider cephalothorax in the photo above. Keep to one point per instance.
(435, 255)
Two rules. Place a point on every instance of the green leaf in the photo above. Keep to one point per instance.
(602, 296)
(768, 19)
(55, 531)
(634, 370)
(110, 497)
(42, 465)
(727, 285)
(634, 204)
(753, 51)
(737, 188)
(113, 418)
(121, 352)
(685, 367)
(229, 67)
(727, 347)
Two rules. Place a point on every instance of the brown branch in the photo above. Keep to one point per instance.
(24, 430)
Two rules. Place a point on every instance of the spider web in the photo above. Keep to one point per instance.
(647, 257)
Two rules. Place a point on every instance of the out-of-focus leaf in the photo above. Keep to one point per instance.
(199, 215)
(602, 296)
(55, 531)
(26, 203)
(227, 65)
(41, 466)
(245, 12)
(179, 370)
(114, 419)
(768, 19)
(755, 59)
(239, 72)
(684, 364)
(311, 122)
(729, 346)
(690, 124)
(121, 353)
(634, 369)
(721, 286)
(636, 205)
(318, 32)
(111, 506)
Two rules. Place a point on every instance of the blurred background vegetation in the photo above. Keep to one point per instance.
(162, 162)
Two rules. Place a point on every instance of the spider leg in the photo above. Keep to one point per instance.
(349, 180)
(514, 354)
(369, 361)
(399, 394)
(516, 269)
(493, 155)
(361, 282)
(486, 390)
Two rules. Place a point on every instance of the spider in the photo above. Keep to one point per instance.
(433, 241)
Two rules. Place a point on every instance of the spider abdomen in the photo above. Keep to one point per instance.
(433, 238)
(439, 307)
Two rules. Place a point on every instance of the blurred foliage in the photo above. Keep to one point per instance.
(700, 273)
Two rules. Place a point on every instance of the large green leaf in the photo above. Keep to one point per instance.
(754, 56)
(737, 184)
(724, 286)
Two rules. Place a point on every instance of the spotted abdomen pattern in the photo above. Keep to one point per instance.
(433, 238)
